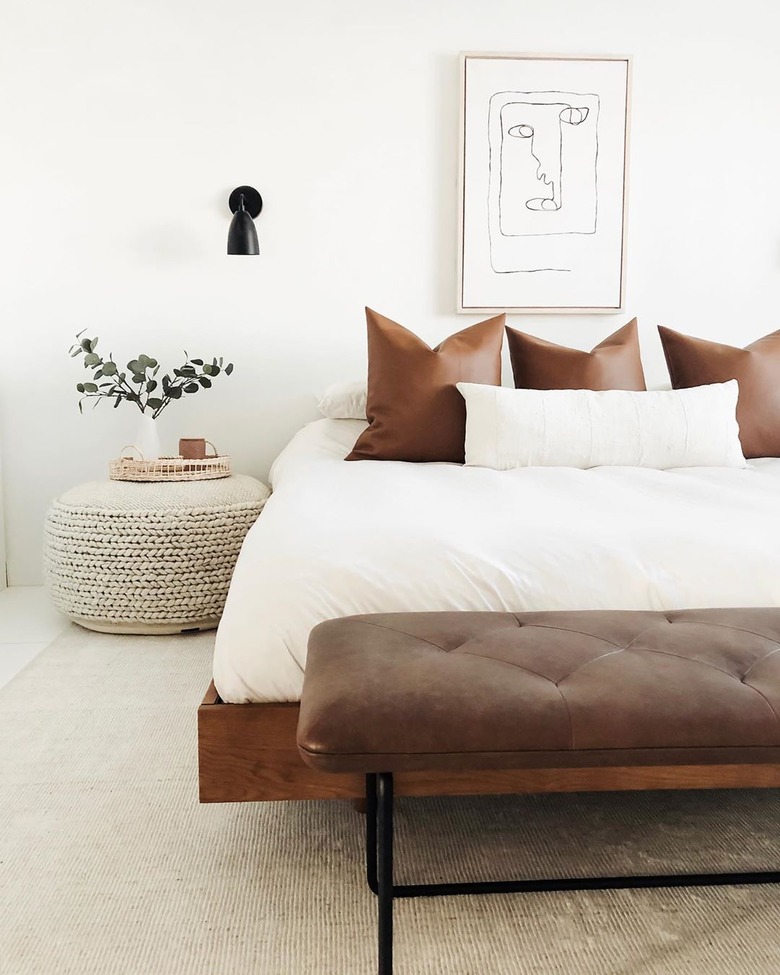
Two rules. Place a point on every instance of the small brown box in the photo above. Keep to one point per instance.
(192, 448)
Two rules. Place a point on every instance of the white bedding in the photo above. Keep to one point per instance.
(340, 538)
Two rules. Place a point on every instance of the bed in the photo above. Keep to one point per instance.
(338, 539)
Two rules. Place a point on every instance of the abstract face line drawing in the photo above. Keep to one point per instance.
(543, 156)
(547, 153)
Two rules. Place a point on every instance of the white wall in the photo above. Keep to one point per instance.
(125, 124)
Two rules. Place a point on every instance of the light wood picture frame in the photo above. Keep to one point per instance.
(543, 183)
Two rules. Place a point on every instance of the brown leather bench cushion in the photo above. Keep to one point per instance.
(428, 691)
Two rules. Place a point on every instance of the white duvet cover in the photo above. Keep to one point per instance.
(339, 538)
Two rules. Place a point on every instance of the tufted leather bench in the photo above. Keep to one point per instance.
(432, 691)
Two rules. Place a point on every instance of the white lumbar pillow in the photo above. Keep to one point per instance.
(584, 428)
(344, 401)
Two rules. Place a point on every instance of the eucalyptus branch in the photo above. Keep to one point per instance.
(109, 382)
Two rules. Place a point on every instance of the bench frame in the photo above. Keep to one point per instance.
(248, 753)
(379, 872)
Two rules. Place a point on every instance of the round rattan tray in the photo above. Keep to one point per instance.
(168, 469)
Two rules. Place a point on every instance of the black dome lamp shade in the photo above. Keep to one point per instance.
(245, 203)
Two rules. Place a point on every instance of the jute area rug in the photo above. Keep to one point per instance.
(109, 865)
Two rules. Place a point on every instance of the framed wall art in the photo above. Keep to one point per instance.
(543, 176)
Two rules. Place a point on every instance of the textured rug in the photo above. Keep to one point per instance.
(109, 865)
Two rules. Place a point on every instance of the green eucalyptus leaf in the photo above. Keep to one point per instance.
(197, 362)
(118, 401)
(154, 403)
(80, 387)
(228, 368)
(156, 369)
(151, 385)
(205, 382)
(109, 369)
(139, 378)
(215, 370)
(90, 388)
(86, 345)
(153, 364)
(81, 410)
(135, 366)
(191, 388)
(208, 370)
(175, 392)
(91, 359)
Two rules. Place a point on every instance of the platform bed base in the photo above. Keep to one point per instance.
(247, 753)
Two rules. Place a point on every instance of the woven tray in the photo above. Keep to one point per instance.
(168, 469)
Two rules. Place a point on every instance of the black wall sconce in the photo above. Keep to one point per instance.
(245, 204)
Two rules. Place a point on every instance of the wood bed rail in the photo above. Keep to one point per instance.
(247, 753)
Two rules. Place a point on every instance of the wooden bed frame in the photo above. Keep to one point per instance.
(247, 753)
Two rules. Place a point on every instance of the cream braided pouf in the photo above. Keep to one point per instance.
(125, 557)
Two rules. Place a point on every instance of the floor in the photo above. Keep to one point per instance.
(110, 867)
(28, 624)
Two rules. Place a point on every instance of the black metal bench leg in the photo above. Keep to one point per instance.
(385, 870)
(379, 872)
(371, 853)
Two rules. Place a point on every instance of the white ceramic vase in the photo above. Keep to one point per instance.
(147, 439)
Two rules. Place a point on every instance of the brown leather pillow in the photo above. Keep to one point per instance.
(414, 410)
(613, 364)
(698, 362)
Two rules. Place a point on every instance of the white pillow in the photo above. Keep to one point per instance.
(584, 428)
(344, 401)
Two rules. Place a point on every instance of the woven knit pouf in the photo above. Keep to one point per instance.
(125, 557)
